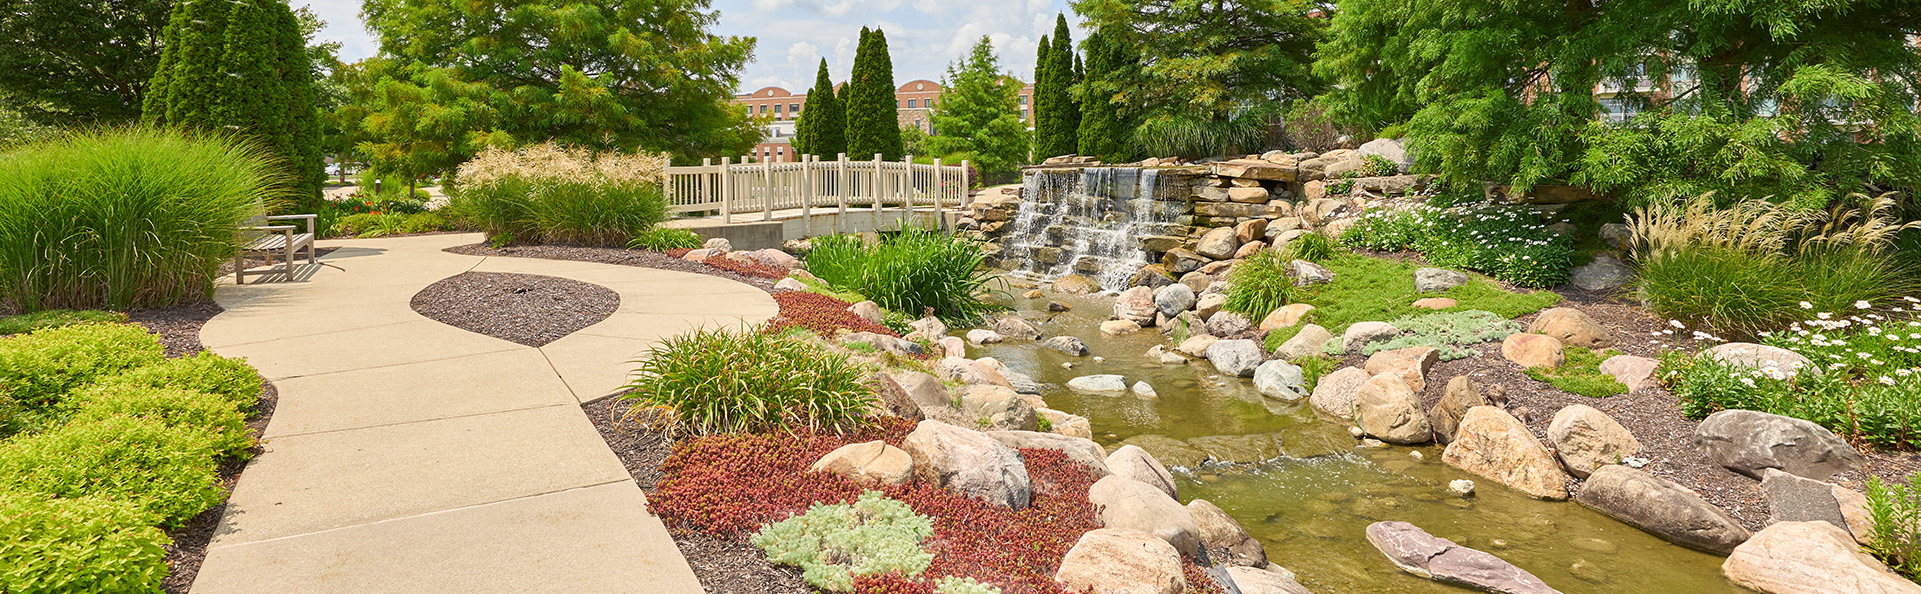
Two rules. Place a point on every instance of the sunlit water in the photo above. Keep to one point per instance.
(1310, 513)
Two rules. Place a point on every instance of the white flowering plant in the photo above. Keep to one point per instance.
(1503, 242)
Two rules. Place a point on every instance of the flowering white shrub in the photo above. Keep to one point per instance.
(1502, 242)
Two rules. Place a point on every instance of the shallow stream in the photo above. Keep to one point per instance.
(1309, 506)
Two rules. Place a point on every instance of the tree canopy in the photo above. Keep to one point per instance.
(1056, 116)
(978, 113)
(1106, 127)
(1794, 100)
(79, 61)
(822, 126)
(873, 123)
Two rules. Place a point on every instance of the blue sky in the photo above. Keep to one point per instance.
(925, 35)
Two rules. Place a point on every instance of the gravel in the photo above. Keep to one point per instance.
(604, 255)
(527, 309)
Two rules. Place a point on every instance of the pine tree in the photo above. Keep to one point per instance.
(1041, 120)
(872, 124)
(977, 116)
(1058, 136)
(822, 128)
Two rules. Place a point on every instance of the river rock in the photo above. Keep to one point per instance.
(1197, 281)
(1133, 462)
(1810, 558)
(1119, 327)
(1335, 393)
(1307, 273)
(1168, 450)
(1145, 391)
(970, 372)
(1251, 230)
(1016, 328)
(1237, 358)
(1362, 334)
(1461, 394)
(1280, 380)
(1633, 372)
(1121, 561)
(1173, 299)
(930, 327)
(872, 462)
(1075, 284)
(1757, 356)
(1226, 541)
(1492, 443)
(1196, 346)
(997, 407)
(867, 310)
(1388, 410)
(1430, 280)
(1285, 316)
(1533, 350)
(1586, 438)
(1800, 499)
(1411, 364)
(1228, 323)
(1218, 244)
(790, 284)
(1077, 449)
(1136, 305)
(1749, 442)
(913, 395)
(1605, 273)
(950, 346)
(1128, 503)
(1256, 580)
(1178, 261)
(1064, 423)
(1208, 305)
(1661, 507)
(1104, 383)
(1066, 344)
(1439, 559)
(1572, 326)
(980, 336)
(968, 462)
(1305, 343)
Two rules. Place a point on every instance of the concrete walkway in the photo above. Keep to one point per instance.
(407, 455)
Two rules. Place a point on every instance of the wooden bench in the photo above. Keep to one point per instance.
(269, 240)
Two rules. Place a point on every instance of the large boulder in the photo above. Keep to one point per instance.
(1810, 558)
(1065, 423)
(1430, 280)
(1763, 357)
(1395, 150)
(1175, 261)
(1173, 299)
(1016, 328)
(970, 463)
(1255, 580)
(929, 327)
(1251, 230)
(1572, 326)
(1121, 561)
(873, 462)
(1119, 327)
(1285, 316)
(1209, 304)
(1492, 443)
(1196, 346)
(1306, 343)
(969, 372)
(1362, 334)
(982, 336)
(883, 342)
(1605, 273)
(1800, 499)
(1410, 364)
(913, 395)
(1533, 350)
(1136, 305)
(1280, 380)
(1749, 442)
(1226, 541)
(1078, 449)
(1155, 276)
(1388, 410)
(1105, 383)
(1460, 395)
(1307, 273)
(998, 407)
(867, 310)
(1133, 462)
(1661, 507)
(1586, 439)
(1197, 281)
(1066, 344)
(1228, 324)
(1439, 559)
(1239, 357)
(1128, 503)
(1334, 395)
(1633, 372)
(1218, 244)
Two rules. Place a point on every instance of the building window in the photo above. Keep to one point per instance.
(763, 108)
(910, 103)
(1617, 110)
(793, 108)
(777, 108)
(1023, 100)
(930, 103)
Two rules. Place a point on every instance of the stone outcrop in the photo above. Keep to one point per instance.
(913, 395)
(1749, 442)
(1218, 244)
(1228, 324)
(1461, 394)
(1133, 462)
(1016, 328)
(1810, 558)
(1131, 504)
(1439, 559)
(1571, 326)
(968, 462)
(1335, 393)
(1226, 541)
(1388, 410)
(1064, 423)
(874, 463)
(1121, 561)
(1586, 439)
(866, 310)
(1533, 350)
(1492, 443)
(1661, 507)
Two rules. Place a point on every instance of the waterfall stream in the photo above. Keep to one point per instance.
(1091, 222)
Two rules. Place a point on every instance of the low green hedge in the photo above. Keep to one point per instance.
(38, 368)
(232, 380)
(85, 544)
(167, 471)
(184, 409)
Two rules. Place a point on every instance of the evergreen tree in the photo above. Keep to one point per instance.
(242, 66)
(822, 127)
(1105, 128)
(872, 124)
(978, 116)
(1040, 119)
(1061, 115)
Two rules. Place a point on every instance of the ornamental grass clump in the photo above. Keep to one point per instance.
(547, 193)
(124, 217)
(1260, 284)
(834, 542)
(748, 380)
(910, 271)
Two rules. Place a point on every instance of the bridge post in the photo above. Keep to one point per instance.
(807, 164)
(940, 196)
(840, 190)
(966, 187)
(767, 195)
(726, 191)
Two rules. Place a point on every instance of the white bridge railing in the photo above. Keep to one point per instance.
(812, 185)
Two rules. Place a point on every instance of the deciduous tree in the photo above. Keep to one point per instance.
(80, 61)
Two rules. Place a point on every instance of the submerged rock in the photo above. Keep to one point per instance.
(1237, 358)
(1066, 344)
(1280, 380)
(1387, 409)
(1439, 559)
(1099, 383)
(1225, 539)
(1334, 395)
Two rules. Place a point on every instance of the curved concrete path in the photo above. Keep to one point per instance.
(407, 455)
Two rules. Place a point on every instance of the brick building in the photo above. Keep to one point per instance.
(777, 107)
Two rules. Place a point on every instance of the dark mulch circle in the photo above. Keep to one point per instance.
(723, 566)
(605, 255)
(527, 309)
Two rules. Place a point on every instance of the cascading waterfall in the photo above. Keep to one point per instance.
(1089, 222)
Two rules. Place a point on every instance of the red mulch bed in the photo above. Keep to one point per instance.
(822, 314)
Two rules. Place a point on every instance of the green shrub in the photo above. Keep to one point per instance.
(1260, 285)
(748, 380)
(1581, 374)
(1378, 166)
(168, 472)
(233, 380)
(85, 544)
(832, 543)
(176, 408)
(383, 224)
(1448, 332)
(123, 217)
(1894, 512)
(55, 318)
(550, 194)
(909, 272)
(661, 239)
(39, 368)
(1313, 247)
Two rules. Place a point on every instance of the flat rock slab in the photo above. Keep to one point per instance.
(1439, 559)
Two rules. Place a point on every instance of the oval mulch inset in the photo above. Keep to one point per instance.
(527, 309)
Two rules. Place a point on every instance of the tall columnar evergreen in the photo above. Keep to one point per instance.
(1037, 102)
(822, 127)
(242, 66)
(1106, 129)
(1074, 99)
(1054, 129)
(872, 124)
